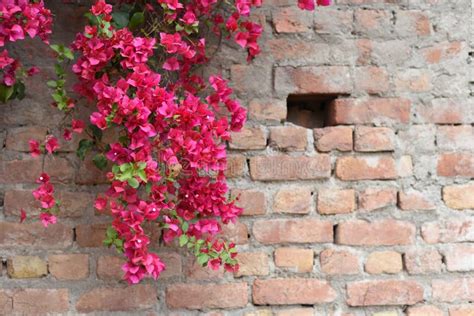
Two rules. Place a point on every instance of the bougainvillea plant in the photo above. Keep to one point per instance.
(136, 63)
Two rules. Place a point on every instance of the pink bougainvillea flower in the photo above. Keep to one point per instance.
(43, 178)
(67, 134)
(324, 3)
(51, 144)
(171, 64)
(306, 4)
(22, 216)
(78, 126)
(100, 7)
(34, 148)
(33, 71)
(47, 219)
(100, 203)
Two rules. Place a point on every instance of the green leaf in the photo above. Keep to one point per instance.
(142, 175)
(120, 19)
(202, 259)
(5, 92)
(84, 146)
(52, 83)
(97, 132)
(100, 161)
(137, 19)
(111, 232)
(133, 183)
(183, 240)
(19, 90)
(185, 226)
(68, 53)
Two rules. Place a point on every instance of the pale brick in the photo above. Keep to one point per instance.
(366, 168)
(460, 258)
(456, 165)
(333, 138)
(414, 201)
(459, 196)
(424, 310)
(373, 139)
(384, 292)
(24, 267)
(453, 290)
(248, 138)
(293, 200)
(338, 262)
(252, 263)
(298, 260)
(252, 201)
(332, 201)
(292, 231)
(385, 232)
(69, 266)
(289, 138)
(379, 262)
(422, 261)
(374, 198)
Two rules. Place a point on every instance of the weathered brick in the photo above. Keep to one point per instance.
(252, 263)
(296, 312)
(333, 21)
(272, 110)
(442, 52)
(266, 168)
(371, 79)
(24, 267)
(91, 235)
(412, 23)
(173, 264)
(236, 233)
(460, 258)
(384, 262)
(386, 232)
(304, 80)
(424, 310)
(338, 262)
(251, 80)
(414, 200)
(377, 198)
(333, 138)
(369, 111)
(248, 138)
(456, 165)
(333, 201)
(110, 268)
(292, 291)
(235, 166)
(194, 271)
(88, 173)
(292, 231)
(417, 139)
(35, 236)
(351, 168)
(453, 290)
(461, 311)
(372, 139)
(364, 51)
(130, 298)
(291, 20)
(295, 259)
(455, 137)
(6, 302)
(73, 204)
(448, 231)
(372, 23)
(40, 301)
(384, 292)
(18, 138)
(447, 111)
(229, 295)
(413, 80)
(422, 261)
(293, 200)
(289, 138)
(69, 266)
(252, 201)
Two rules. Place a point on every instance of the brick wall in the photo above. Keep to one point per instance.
(369, 215)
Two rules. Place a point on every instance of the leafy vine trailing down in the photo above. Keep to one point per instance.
(136, 62)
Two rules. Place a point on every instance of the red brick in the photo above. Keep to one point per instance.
(110, 268)
(306, 80)
(384, 292)
(289, 138)
(73, 204)
(338, 262)
(6, 302)
(294, 51)
(173, 264)
(456, 165)
(372, 139)
(447, 111)
(293, 200)
(351, 168)
(413, 80)
(251, 80)
(377, 198)
(263, 168)
(194, 271)
(35, 236)
(424, 310)
(333, 138)
(40, 301)
(69, 266)
(235, 166)
(267, 110)
(91, 235)
(372, 80)
(291, 20)
(460, 258)
(130, 298)
(292, 291)
(88, 173)
(385, 232)
(422, 261)
(442, 52)
(461, 311)
(453, 290)
(448, 231)
(455, 137)
(384, 262)
(369, 111)
(292, 231)
(295, 259)
(414, 200)
(28, 169)
(236, 233)
(18, 138)
(252, 263)
(332, 201)
(252, 201)
(372, 23)
(229, 295)
(248, 138)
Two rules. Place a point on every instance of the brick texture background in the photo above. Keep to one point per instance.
(371, 215)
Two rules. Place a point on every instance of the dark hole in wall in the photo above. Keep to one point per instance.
(309, 110)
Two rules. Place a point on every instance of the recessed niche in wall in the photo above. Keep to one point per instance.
(308, 110)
